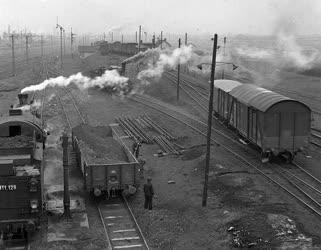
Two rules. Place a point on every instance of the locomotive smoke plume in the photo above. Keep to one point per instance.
(35, 105)
(110, 80)
(292, 54)
(166, 60)
(285, 50)
(287, 53)
(157, 62)
(254, 53)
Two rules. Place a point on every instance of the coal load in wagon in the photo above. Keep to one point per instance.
(98, 145)
(19, 141)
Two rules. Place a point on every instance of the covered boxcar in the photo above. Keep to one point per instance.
(222, 99)
(278, 125)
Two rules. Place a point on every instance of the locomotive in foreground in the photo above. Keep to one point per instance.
(277, 124)
(21, 157)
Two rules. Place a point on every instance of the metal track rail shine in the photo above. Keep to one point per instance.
(121, 228)
(316, 135)
(186, 121)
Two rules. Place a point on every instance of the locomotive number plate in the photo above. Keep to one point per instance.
(8, 187)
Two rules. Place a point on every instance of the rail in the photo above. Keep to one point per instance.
(111, 243)
(120, 225)
(173, 114)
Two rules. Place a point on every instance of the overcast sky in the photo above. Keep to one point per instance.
(177, 16)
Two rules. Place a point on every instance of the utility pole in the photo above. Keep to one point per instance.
(112, 36)
(104, 36)
(72, 42)
(122, 41)
(209, 125)
(224, 41)
(139, 37)
(13, 56)
(185, 39)
(27, 52)
(161, 40)
(51, 44)
(21, 41)
(64, 42)
(42, 46)
(178, 72)
(66, 175)
(153, 41)
(136, 36)
(61, 30)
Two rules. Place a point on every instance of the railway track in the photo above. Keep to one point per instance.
(316, 137)
(283, 179)
(120, 225)
(200, 99)
(71, 111)
(294, 179)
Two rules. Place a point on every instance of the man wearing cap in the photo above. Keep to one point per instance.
(149, 193)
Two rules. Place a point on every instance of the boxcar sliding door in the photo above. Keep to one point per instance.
(286, 130)
(252, 125)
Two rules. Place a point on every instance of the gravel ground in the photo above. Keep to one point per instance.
(244, 210)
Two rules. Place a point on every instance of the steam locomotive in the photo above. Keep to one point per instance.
(22, 141)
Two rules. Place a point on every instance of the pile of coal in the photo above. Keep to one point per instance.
(19, 141)
(98, 144)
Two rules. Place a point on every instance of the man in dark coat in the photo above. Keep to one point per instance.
(149, 193)
(135, 148)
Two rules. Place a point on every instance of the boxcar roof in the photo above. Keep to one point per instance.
(257, 97)
(226, 85)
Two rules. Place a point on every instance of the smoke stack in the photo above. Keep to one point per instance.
(23, 99)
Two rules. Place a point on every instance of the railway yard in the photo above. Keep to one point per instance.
(250, 204)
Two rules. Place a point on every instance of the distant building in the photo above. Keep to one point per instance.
(85, 50)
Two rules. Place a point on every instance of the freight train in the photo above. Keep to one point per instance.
(109, 168)
(276, 124)
(129, 49)
(21, 174)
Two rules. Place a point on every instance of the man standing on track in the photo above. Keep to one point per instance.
(149, 193)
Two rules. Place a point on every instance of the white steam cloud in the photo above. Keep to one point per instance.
(166, 61)
(35, 105)
(284, 49)
(156, 61)
(110, 80)
(254, 53)
(287, 53)
(293, 54)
